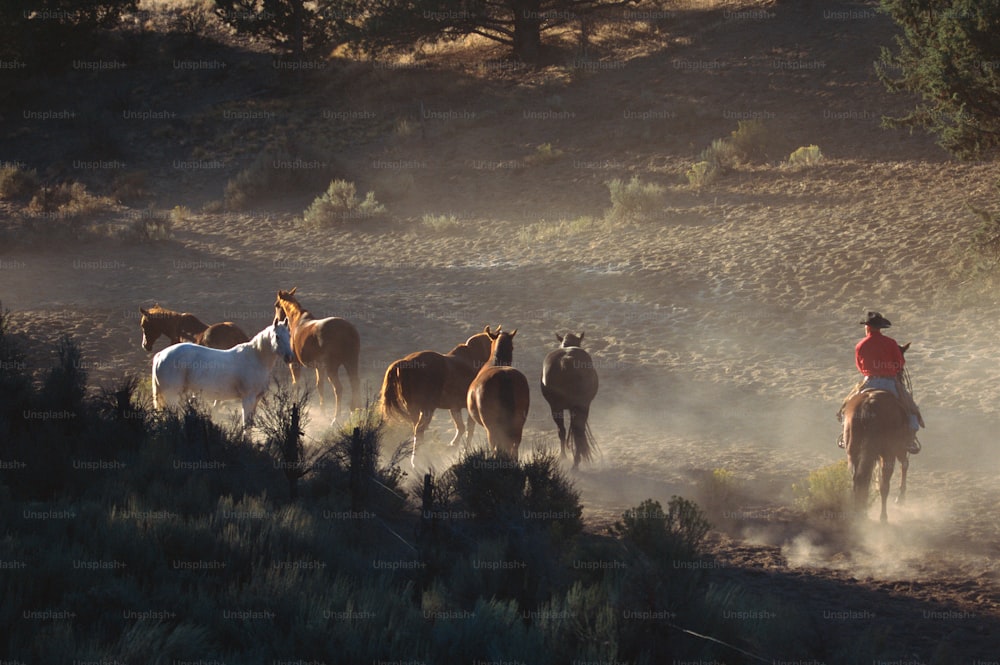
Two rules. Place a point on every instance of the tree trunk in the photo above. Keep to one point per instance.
(527, 30)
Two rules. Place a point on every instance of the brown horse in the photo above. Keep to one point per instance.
(876, 428)
(569, 383)
(183, 327)
(418, 384)
(499, 397)
(222, 336)
(323, 344)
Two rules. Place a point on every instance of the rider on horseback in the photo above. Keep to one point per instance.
(880, 360)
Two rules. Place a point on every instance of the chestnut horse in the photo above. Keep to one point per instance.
(569, 383)
(418, 384)
(183, 327)
(323, 344)
(499, 397)
(876, 428)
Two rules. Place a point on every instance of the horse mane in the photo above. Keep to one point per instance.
(288, 298)
(503, 344)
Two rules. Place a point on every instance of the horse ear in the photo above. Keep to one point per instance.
(513, 333)
(144, 312)
(905, 347)
(292, 292)
(559, 337)
(486, 330)
(580, 336)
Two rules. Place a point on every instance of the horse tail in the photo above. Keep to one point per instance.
(580, 439)
(392, 403)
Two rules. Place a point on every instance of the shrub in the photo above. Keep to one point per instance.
(634, 200)
(69, 201)
(722, 155)
(356, 447)
(440, 222)
(282, 418)
(544, 154)
(543, 231)
(702, 174)
(826, 491)
(805, 156)
(18, 183)
(674, 534)
(719, 491)
(340, 204)
(148, 227)
(750, 140)
(65, 384)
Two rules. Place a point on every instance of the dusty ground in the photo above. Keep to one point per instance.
(723, 328)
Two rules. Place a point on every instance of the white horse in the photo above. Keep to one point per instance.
(242, 372)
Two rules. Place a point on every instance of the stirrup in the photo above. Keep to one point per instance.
(914, 446)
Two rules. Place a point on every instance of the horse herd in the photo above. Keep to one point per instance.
(221, 363)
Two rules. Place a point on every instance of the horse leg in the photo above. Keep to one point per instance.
(470, 427)
(319, 387)
(338, 390)
(355, 380)
(419, 427)
(558, 417)
(456, 417)
(904, 464)
(249, 406)
(888, 463)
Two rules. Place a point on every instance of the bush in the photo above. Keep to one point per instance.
(634, 200)
(826, 491)
(539, 232)
(722, 155)
(750, 140)
(676, 534)
(544, 154)
(70, 201)
(805, 156)
(440, 223)
(18, 183)
(151, 227)
(339, 205)
(719, 492)
(373, 481)
(703, 173)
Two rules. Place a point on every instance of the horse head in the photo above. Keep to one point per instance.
(282, 304)
(282, 341)
(502, 350)
(150, 330)
(570, 339)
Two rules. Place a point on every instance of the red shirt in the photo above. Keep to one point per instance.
(878, 355)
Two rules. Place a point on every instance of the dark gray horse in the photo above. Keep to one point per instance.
(569, 383)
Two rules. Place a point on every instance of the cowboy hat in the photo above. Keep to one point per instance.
(876, 320)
